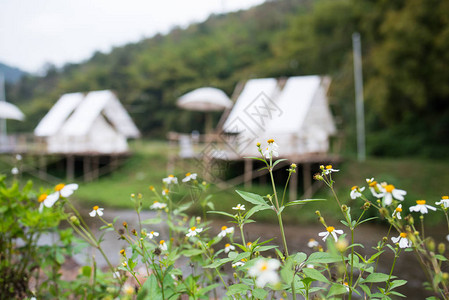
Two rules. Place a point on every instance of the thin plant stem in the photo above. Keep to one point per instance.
(285, 188)
(278, 212)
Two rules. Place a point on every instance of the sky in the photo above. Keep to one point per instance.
(36, 32)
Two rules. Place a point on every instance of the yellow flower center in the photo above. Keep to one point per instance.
(249, 244)
(166, 191)
(152, 232)
(162, 242)
(193, 228)
(224, 227)
(421, 202)
(270, 141)
(59, 187)
(311, 240)
(122, 251)
(151, 188)
(328, 167)
(258, 144)
(96, 207)
(227, 245)
(171, 176)
(155, 202)
(398, 209)
(42, 198)
(330, 229)
(373, 183)
(188, 174)
(389, 188)
(403, 235)
(345, 283)
(445, 197)
(264, 266)
(354, 187)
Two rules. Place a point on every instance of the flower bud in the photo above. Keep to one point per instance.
(125, 224)
(430, 244)
(75, 220)
(258, 145)
(318, 177)
(152, 188)
(344, 207)
(385, 239)
(139, 196)
(445, 276)
(134, 232)
(318, 213)
(142, 232)
(133, 196)
(441, 248)
(366, 206)
(293, 166)
(341, 245)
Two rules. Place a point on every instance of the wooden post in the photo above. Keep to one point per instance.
(307, 180)
(86, 168)
(113, 163)
(70, 168)
(95, 167)
(248, 173)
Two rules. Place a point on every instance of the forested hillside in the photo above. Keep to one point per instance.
(405, 57)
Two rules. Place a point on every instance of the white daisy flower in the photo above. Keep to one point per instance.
(165, 192)
(356, 192)
(421, 207)
(238, 264)
(272, 149)
(447, 237)
(14, 171)
(66, 190)
(312, 243)
(128, 289)
(374, 187)
(18, 157)
(225, 230)
(158, 205)
(330, 230)
(404, 242)
(239, 207)
(265, 271)
(193, 231)
(96, 211)
(328, 169)
(189, 176)
(47, 200)
(346, 285)
(444, 201)
(397, 212)
(152, 234)
(170, 179)
(229, 247)
(163, 245)
(388, 192)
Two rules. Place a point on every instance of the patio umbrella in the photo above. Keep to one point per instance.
(10, 111)
(206, 99)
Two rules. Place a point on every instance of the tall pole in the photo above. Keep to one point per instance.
(358, 82)
(3, 137)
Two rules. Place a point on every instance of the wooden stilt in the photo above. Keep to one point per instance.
(248, 173)
(70, 168)
(307, 180)
(95, 167)
(86, 168)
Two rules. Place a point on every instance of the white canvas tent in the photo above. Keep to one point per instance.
(95, 122)
(296, 116)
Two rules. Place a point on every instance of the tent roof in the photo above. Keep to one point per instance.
(86, 109)
(294, 101)
(205, 99)
(252, 90)
(58, 114)
(10, 111)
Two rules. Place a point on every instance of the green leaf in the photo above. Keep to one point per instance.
(397, 283)
(218, 263)
(300, 202)
(260, 293)
(191, 252)
(252, 198)
(150, 289)
(152, 221)
(314, 274)
(398, 294)
(366, 290)
(255, 209)
(256, 158)
(323, 257)
(208, 288)
(377, 277)
(337, 289)
(265, 248)
(299, 257)
(278, 161)
(287, 272)
(440, 257)
(366, 220)
(221, 213)
(237, 289)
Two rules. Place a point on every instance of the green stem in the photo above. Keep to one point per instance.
(396, 255)
(285, 188)
(278, 212)
(352, 262)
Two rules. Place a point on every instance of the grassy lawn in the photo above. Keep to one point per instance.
(421, 178)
